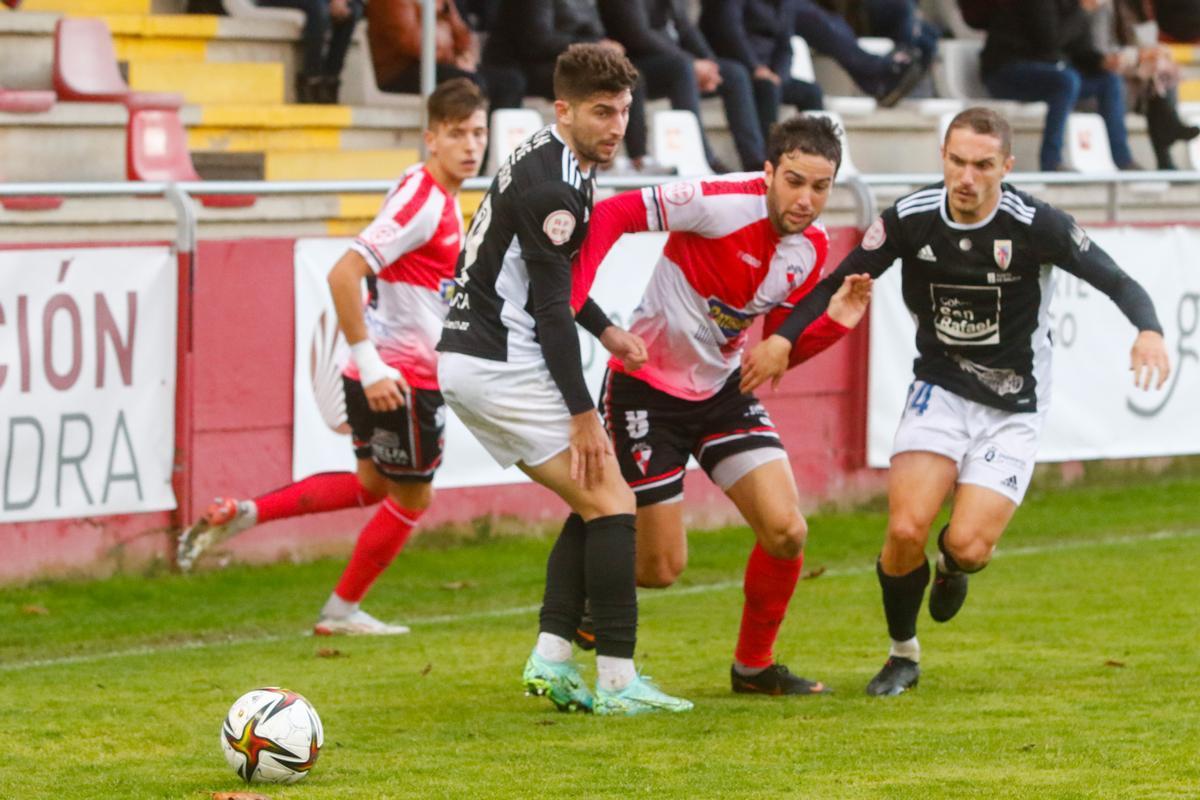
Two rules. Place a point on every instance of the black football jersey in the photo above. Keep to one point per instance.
(536, 209)
(980, 293)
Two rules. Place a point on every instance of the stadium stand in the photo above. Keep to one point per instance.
(235, 74)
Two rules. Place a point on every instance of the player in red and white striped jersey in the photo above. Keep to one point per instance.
(396, 413)
(740, 247)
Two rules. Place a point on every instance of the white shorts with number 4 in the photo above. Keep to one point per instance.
(993, 448)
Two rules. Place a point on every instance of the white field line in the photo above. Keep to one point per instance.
(515, 611)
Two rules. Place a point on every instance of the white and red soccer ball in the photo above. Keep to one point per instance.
(271, 735)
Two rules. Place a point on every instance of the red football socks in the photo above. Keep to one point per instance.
(328, 491)
(768, 586)
(377, 545)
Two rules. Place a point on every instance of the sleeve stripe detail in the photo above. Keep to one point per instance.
(415, 203)
(649, 195)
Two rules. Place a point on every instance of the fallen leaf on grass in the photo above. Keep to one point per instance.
(545, 722)
(239, 796)
(454, 586)
(428, 669)
(1112, 663)
(1028, 747)
(32, 610)
(329, 652)
(815, 573)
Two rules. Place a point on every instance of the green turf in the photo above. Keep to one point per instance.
(1071, 673)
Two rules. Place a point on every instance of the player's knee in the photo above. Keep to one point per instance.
(413, 496)
(907, 534)
(616, 498)
(660, 571)
(786, 538)
(972, 556)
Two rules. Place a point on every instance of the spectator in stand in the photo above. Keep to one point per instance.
(1043, 50)
(886, 78)
(328, 27)
(394, 31)
(1178, 20)
(676, 61)
(1151, 74)
(897, 20)
(757, 34)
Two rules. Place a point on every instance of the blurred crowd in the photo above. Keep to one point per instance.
(1103, 54)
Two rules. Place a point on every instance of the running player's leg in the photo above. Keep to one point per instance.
(226, 517)
(918, 483)
(662, 547)
(606, 510)
(965, 545)
(405, 448)
(995, 473)
(767, 498)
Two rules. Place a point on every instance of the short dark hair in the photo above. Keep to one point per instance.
(588, 69)
(985, 121)
(454, 100)
(814, 134)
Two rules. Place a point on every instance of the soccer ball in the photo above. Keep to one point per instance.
(271, 735)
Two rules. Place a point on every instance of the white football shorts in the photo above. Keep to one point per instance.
(993, 448)
(515, 410)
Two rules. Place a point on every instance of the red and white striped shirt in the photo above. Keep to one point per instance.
(413, 246)
(723, 266)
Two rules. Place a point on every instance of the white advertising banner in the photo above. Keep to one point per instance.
(87, 381)
(1095, 411)
(320, 436)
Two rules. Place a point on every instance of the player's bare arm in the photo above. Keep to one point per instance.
(384, 386)
(769, 359)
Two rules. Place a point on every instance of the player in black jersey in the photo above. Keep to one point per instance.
(977, 259)
(511, 370)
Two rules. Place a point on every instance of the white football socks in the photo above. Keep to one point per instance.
(337, 608)
(614, 674)
(910, 649)
(553, 648)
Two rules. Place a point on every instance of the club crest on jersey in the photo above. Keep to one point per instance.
(1002, 250)
(641, 456)
(446, 288)
(558, 226)
(731, 321)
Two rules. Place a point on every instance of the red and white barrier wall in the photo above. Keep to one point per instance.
(233, 328)
(96, 343)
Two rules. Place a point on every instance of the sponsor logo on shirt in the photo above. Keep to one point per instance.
(926, 254)
(966, 315)
(558, 226)
(679, 194)
(730, 320)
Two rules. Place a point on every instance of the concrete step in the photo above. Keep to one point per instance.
(332, 165)
(200, 83)
(88, 7)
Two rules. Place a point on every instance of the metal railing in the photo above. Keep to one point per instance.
(182, 196)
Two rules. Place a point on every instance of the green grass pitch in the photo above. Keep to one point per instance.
(1072, 672)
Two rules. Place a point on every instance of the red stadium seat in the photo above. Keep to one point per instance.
(156, 150)
(25, 101)
(85, 66)
(30, 202)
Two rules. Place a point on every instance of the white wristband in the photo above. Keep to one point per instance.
(371, 368)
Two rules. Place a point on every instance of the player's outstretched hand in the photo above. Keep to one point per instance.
(766, 361)
(629, 347)
(389, 393)
(590, 447)
(849, 304)
(1149, 356)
